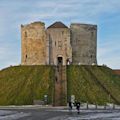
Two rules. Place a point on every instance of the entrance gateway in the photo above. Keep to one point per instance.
(60, 60)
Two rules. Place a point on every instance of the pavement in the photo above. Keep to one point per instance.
(56, 113)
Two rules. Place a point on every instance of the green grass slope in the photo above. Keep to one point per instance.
(22, 84)
(93, 84)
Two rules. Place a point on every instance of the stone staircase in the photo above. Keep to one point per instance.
(60, 91)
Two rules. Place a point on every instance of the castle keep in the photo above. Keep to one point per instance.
(58, 43)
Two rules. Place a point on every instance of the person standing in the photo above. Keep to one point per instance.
(70, 105)
(78, 107)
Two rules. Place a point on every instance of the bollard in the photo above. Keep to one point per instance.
(87, 106)
(113, 106)
(95, 106)
(105, 106)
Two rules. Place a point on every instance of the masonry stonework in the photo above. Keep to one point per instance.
(84, 43)
(58, 43)
(33, 44)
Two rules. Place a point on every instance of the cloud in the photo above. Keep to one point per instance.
(16, 12)
(108, 53)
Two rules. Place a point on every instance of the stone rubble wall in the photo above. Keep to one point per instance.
(33, 44)
(59, 45)
(42, 46)
(84, 43)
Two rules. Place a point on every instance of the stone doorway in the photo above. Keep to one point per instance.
(60, 60)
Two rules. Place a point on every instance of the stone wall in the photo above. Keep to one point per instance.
(33, 44)
(59, 45)
(84, 43)
(77, 44)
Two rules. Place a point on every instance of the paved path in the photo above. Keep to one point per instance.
(58, 114)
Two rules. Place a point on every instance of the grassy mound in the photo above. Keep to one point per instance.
(22, 84)
(93, 84)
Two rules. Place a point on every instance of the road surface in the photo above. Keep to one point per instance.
(57, 114)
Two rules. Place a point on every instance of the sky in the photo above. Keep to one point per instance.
(104, 13)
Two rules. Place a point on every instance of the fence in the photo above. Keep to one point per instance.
(99, 107)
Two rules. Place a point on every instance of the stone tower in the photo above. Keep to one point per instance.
(33, 44)
(84, 43)
(59, 44)
(58, 41)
